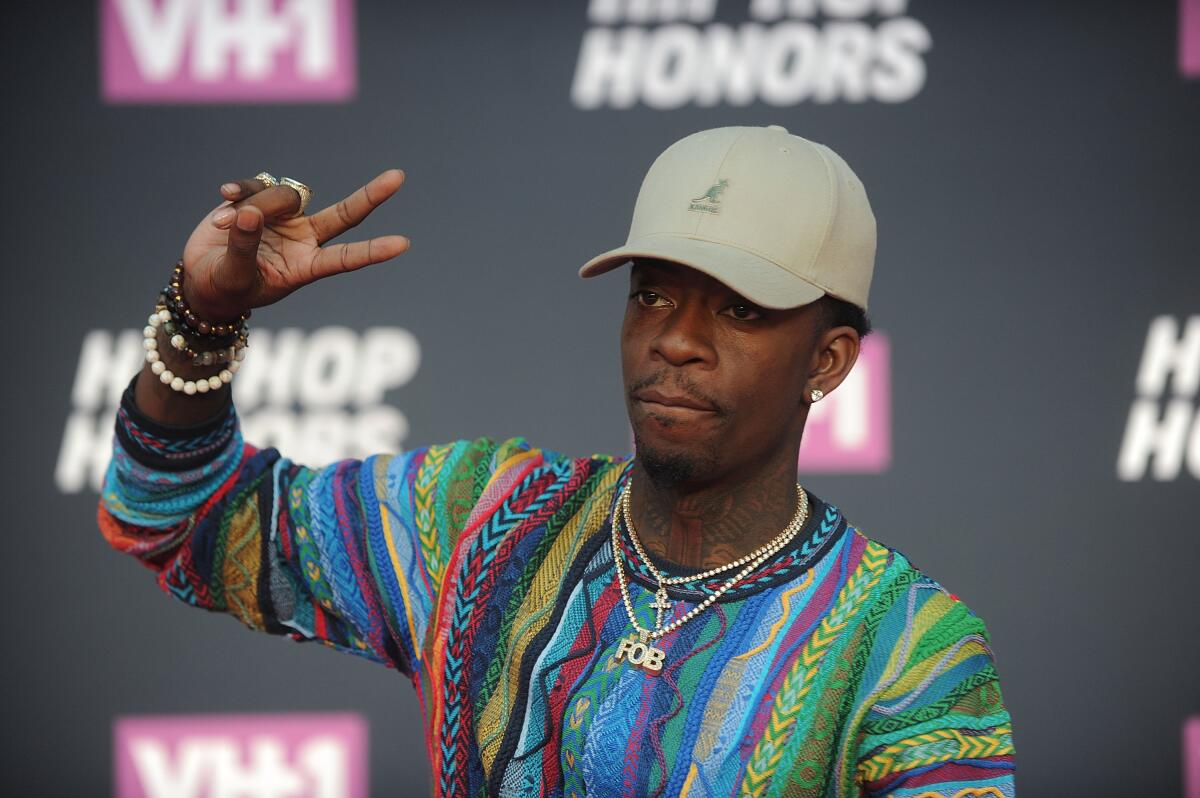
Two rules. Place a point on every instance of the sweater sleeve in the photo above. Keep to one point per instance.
(937, 725)
(351, 555)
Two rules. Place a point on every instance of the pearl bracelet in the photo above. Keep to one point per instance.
(157, 365)
(225, 354)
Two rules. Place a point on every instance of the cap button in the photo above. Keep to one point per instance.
(780, 128)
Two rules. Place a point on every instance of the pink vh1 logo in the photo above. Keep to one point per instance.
(238, 756)
(1189, 38)
(1191, 757)
(156, 51)
(850, 431)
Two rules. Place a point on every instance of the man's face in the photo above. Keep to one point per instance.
(713, 382)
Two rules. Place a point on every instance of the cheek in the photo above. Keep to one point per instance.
(774, 407)
(629, 346)
(769, 389)
(638, 331)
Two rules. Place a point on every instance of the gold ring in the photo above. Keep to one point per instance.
(267, 179)
(304, 191)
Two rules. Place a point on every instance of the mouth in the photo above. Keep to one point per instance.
(673, 403)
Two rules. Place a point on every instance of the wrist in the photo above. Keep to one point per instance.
(187, 361)
(186, 355)
(213, 313)
(199, 317)
(179, 363)
(167, 406)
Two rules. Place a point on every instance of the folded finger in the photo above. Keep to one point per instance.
(278, 202)
(331, 222)
(241, 189)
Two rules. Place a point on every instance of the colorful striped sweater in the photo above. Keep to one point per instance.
(484, 571)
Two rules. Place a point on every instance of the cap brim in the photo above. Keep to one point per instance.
(756, 278)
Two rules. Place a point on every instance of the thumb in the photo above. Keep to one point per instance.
(241, 253)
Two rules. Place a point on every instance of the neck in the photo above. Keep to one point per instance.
(712, 524)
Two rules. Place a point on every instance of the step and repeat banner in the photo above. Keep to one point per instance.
(1024, 424)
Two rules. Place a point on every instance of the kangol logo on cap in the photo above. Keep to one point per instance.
(710, 201)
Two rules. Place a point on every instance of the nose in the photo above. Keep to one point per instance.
(685, 337)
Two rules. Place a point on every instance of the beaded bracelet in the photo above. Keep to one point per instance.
(220, 354)
(179, 323)
(206, 358)
(173, 298)
(221, 349)
(215, 350)
(160, 317)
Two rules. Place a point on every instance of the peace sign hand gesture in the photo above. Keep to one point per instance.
(253, 249)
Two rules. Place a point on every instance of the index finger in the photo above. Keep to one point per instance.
(331, 222)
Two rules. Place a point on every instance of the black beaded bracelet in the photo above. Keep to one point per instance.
(178, 325)
(218, 351)
(173, 296)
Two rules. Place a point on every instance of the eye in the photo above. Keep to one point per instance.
(743, 312)
(649, 299)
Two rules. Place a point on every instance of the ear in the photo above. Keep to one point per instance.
(835, 354)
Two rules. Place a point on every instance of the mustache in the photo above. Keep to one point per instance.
(681, 383)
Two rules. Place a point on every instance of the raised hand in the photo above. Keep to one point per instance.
(253, 249)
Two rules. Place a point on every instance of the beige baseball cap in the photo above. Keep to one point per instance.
(778, 218)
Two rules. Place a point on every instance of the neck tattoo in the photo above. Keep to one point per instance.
(638, 648)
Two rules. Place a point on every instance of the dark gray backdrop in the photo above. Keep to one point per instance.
(1037, 207)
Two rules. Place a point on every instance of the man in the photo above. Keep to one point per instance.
(686, 622)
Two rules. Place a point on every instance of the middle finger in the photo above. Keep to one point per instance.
(331, 222)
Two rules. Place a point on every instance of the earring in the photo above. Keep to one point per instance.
(816, 394)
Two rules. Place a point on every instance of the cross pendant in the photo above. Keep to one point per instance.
(661, 602)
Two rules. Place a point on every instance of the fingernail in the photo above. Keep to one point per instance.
(248, 221)
(223, 216)
(231, 188)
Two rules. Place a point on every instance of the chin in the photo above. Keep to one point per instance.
(672, 463)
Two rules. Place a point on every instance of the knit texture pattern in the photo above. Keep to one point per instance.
(484, 571)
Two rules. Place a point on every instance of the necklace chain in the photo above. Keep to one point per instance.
(794, 526)
(752, 562)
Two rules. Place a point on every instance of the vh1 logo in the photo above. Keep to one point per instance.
(1189, 38)
(1191, 757)
(850, 431)
(241, 756)
(156, 51)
